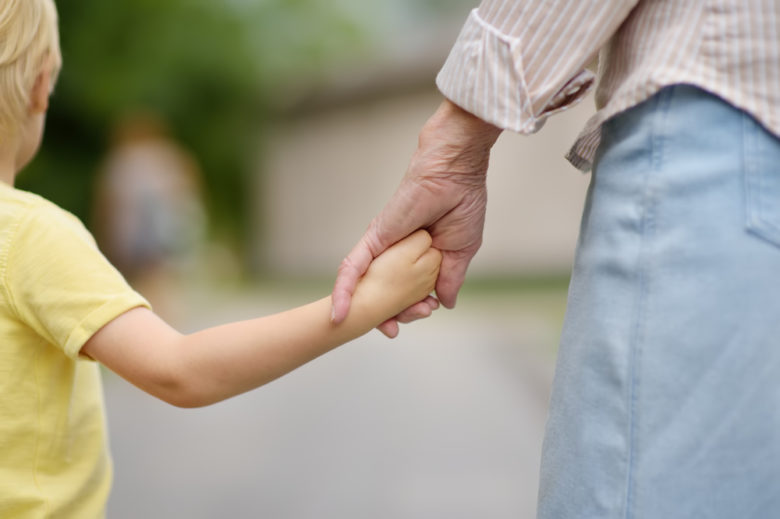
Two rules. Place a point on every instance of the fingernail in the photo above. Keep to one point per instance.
(332, 313)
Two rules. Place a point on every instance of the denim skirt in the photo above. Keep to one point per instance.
(666, 400)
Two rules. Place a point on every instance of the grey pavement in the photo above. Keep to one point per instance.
(446, 421)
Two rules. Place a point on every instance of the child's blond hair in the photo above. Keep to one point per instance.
(28, 38)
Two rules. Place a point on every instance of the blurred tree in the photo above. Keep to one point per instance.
(211, 69)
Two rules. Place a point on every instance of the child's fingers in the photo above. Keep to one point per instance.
(419, 310)
(389, 328)
(431, 258)
(417, 243)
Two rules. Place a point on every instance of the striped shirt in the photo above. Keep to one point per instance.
(518, 61)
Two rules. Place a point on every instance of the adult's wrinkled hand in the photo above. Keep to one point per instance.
(444, 192)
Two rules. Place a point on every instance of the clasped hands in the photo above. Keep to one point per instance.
(444, 192)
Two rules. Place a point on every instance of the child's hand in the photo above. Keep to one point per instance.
(399, 277)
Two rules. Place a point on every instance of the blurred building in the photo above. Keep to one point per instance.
(338, 154)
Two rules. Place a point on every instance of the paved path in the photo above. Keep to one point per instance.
(444, 422)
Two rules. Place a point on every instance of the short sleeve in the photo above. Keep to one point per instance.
(59, 283)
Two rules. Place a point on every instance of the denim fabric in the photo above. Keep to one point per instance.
(666, 400)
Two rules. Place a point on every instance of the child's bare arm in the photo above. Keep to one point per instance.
(213, 364)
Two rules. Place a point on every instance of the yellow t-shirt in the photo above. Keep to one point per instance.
(56, 290)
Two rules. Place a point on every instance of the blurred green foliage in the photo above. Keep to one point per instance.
(213, 69)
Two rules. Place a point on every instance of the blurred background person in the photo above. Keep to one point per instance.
(149, 217)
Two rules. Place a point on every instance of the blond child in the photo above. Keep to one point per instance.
(63, 306)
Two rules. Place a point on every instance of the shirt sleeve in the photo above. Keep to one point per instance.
(518, 61)
(60, 284)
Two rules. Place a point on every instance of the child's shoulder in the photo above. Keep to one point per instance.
(13, 200)
(21, 211)
(17, 205)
